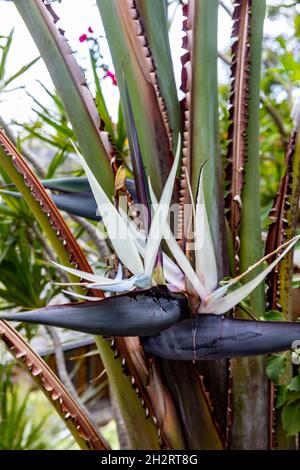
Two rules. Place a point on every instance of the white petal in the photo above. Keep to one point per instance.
(179, 254)
(160, 217)
(80, 296)
(116, 228)
(172, 272)
(230, 300)
(136, 234)
(221, 291)
(124, 285)
(119, 273)
(206, 265)
(83, 275)
(183, 262)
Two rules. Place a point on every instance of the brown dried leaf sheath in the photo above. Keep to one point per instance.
(186, 60)
(52, 388)
(278, 216)
(237, 133)
(279, 223)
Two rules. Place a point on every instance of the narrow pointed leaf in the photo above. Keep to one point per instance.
(20, 72)
(4, 55)
(100, 101)
(70, 84)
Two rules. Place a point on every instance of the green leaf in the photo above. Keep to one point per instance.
(276, 367)
(297, 25)
(20, 72)
(131, 59)
(121, 130)
(201, 122)
(5, 52)
(291, 418)
(71, 86)
(56, 162)
(154, 18)
(294, 385)
(251, 248)
(100, 102)
(274, 315)
(128, 401)
(58, 126)
(281, 395)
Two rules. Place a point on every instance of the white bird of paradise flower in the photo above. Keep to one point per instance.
(139, 253)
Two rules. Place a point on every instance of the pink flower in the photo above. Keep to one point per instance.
(90, 30)
(112, 76)
(83, 38)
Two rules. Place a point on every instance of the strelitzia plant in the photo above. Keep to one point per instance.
(173, 297)
(131, 245)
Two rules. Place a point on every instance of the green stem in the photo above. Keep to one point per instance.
(250, 385)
